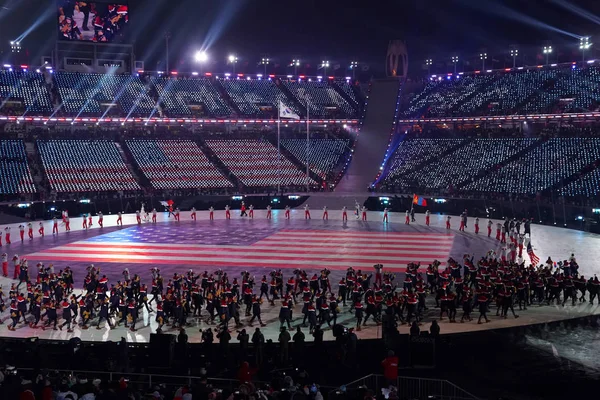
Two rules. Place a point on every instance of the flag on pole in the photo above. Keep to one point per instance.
(534, 259)
(286, 112)
(420, 201)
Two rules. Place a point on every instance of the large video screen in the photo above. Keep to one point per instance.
(92, 21)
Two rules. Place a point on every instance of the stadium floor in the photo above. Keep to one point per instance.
(259, 246)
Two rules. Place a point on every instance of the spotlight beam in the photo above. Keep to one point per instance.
(577, 10)
(503, 11)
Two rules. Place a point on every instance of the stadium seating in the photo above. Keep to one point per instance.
(504, 95)
(174, 164)
(85, 93)
(26, 87)
(558, 90)
(255, 97)
(346, 87)
(463, 163)
(572, 90)
(85, 166)
(325, 101)
(439, 98)
(587, 186)
(255, 163)
(15, 176)
(179, 96)
(541, 168)
(324, 154)
(410, 153)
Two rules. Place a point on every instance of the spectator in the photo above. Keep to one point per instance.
(414, 329)
(434, 329)
(390, 368)
(258, 340)
(246, 373)
(284, 340)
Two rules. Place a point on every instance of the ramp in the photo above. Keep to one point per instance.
(373, 138)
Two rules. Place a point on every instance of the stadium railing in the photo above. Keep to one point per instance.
(147, 380)
(411, 387)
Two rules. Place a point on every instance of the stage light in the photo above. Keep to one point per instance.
(232, 58)
(201, 56)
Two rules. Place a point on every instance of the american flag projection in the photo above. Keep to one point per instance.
(308, 249)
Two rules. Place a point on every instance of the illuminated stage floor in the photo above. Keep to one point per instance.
(259, 245)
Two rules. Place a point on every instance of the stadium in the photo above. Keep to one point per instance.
(186, 221)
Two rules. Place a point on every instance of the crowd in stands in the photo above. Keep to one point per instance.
(169, 160)
(256, 163)
(187, 97)
(323, 155)
(90, 94)
(15, 175)
(541, 168)
(324, 101)
(26, 87)
(85, 166)
(257, 98)
(496, 161)
(532, 91)
(175, 164)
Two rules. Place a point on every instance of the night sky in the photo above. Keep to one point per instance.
(334, 30)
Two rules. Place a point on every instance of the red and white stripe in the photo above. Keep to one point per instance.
(284, 249)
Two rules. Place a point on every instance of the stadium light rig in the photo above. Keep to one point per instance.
(428, 63)
(584, 44)
(547, 51)
(15, 46)
(201, 56)
(514, 52)
(325, 65)
(232, 59)
(353, 66)
(455, 62)
(483, 57)
(264, 62)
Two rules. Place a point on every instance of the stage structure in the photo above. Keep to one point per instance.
(396, 62)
